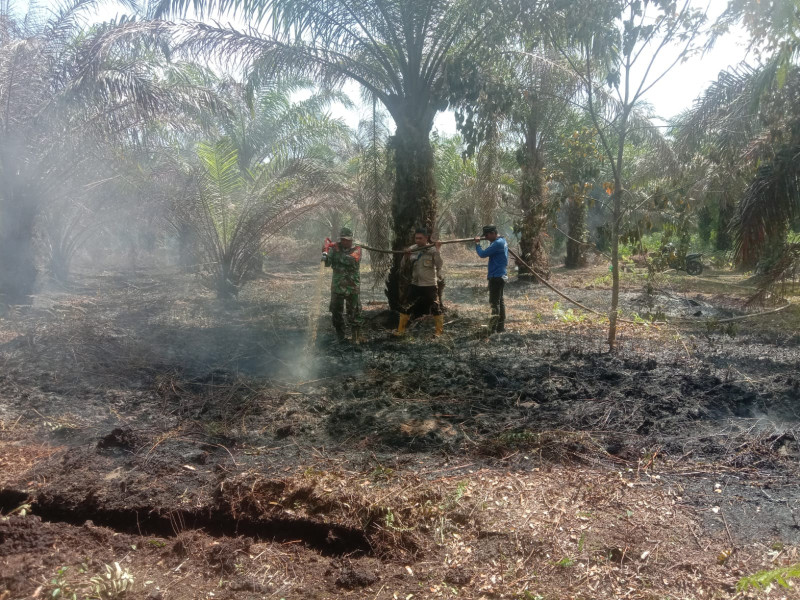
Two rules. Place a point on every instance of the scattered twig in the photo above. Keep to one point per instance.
(724, 520)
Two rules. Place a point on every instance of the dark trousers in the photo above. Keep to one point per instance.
(422, 300)
(352, 310)
(496, 301)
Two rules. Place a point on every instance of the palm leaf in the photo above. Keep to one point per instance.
(770, 203)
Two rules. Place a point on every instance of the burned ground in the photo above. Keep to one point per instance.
(207, 450)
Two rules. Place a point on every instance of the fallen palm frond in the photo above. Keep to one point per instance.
(764, 579)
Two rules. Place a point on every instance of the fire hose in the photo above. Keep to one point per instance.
(562, 294)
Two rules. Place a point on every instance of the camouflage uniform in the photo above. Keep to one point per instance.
(345, 288)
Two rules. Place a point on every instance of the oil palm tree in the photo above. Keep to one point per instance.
(400, 51)
(526, 95)
(234, 212)
(748, 122)
(749, 119)
(545, 95)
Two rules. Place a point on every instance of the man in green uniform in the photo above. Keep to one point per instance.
(345, 260)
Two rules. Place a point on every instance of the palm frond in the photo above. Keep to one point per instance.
(770, 203)
(728, 111)
(374, 188)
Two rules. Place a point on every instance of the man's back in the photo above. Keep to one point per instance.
(497, 252)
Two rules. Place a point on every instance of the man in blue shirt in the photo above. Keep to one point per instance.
(497, 252)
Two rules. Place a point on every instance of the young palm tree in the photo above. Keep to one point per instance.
(458, 184)
(372, 170)
(234, 212)
(400, 51)
(64, 89)
(261, 121)
(748, 123)
(268, 165)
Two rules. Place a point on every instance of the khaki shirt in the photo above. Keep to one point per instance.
(426, 266)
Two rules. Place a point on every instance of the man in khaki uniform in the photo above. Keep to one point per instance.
(423, 295)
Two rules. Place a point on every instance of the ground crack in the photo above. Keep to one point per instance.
(328, 539)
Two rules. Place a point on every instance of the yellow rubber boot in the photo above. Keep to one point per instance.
(401, 326)
(438, 323)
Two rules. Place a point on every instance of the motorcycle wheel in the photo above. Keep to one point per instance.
(694, 267)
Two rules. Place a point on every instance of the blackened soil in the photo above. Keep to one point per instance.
(440, 397)
(181, 414)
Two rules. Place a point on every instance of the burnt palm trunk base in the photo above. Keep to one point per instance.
(533, 251)
(396, 285)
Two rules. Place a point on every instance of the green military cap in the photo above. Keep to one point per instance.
(345, 234)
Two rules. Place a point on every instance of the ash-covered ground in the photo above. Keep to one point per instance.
(214, 448)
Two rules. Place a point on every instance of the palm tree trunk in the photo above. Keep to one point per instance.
(487, 175)
(336, 224)
(225, 284)
(465, 224)
(726, 209)
(414, 197)
(576, 229)
(535, 210)
(18, 264)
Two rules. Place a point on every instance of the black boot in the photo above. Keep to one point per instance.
(340, 333)
(501, 320)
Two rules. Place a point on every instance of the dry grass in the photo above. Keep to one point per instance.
(560, 532)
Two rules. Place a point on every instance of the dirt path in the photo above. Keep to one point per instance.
(198, 446)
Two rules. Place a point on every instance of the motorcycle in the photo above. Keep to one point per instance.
(691, 263)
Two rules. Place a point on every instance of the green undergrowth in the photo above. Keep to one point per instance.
(764, 579)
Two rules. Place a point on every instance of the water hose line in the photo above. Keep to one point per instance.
(572, 300)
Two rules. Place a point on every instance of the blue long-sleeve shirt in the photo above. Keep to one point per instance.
(497, 252)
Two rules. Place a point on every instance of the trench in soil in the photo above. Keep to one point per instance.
(326, 538)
